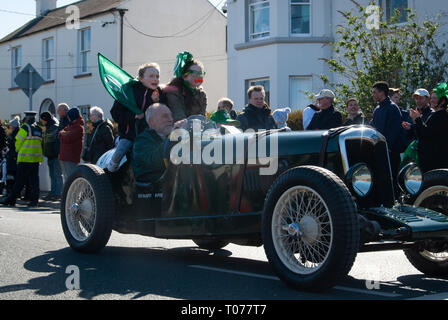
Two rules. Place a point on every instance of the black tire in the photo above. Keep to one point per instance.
(210, 244)
(98, 196)
(434, 196)
(340, 214)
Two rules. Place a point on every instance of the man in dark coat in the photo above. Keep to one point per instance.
(50, 149)
(256, 115)
(433, 145)
(387, 119)
(327, 117)
(62, 113)
(102, 138)
(148, 164)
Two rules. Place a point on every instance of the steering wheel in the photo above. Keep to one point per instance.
(202, 120)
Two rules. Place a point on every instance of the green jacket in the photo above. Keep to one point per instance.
(148, 164)
(176, 102)
(50, 144)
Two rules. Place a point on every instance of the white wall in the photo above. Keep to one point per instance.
(168, 17)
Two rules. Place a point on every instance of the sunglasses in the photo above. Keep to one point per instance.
(196, 73)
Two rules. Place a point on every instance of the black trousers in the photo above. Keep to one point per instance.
(27, 174)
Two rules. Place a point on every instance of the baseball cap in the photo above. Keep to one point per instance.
(325, 93)
(422, 93)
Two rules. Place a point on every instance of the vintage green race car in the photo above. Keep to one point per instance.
(329, 197)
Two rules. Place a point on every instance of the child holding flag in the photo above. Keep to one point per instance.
(146, 92)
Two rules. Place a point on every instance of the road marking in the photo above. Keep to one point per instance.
(437, 296)
(262, 276)
(255, 275)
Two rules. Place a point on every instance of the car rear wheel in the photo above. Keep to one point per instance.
(432, 258)
(87, 209)
(310, 228)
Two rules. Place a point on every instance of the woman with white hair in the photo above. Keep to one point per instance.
(101, 139)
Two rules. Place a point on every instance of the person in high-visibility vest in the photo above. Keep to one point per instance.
(29, 156)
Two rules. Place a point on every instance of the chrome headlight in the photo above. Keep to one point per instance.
(359, 179)
(410, 179)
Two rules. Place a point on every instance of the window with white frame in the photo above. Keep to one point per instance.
(16, 64)
(259, 19)
(389, 7)
(260, 82)
(299, 91)
(300, 17)
(84, 50)
(48, 59)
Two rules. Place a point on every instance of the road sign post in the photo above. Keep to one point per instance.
(29, 80)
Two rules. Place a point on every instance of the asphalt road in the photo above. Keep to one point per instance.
(36, 263)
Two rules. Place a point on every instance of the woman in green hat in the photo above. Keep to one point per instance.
(185, 96)
(433, 144)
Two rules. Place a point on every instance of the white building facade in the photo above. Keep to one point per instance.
(281, 44)
(130, 33)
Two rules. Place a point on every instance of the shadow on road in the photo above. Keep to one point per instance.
(167, 273)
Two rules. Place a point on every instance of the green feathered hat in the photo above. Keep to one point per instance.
(441, 90)
(181, 62)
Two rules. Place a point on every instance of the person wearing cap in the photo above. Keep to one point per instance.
(29, 156)
(11, 155)
(281, 117)
(50, 147)
(433, 144)
(422, 98)
(256, 115)
(327, 117)
(71, 140)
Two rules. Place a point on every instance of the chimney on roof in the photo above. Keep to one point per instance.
(42, 6)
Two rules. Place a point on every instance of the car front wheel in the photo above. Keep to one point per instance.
(310, 228)
(432, 257)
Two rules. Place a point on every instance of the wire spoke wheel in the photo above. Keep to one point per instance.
(87, 209)
(81, 209)
(302, 230)
(431, 257)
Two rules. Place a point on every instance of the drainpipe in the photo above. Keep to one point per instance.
(122, 12)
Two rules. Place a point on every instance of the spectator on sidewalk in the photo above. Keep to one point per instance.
(71, 139)
(11, 155)
(387, 120)
(101, 139)
(355, 115)
(62, 113)
(256, 115)
(50, 148)
(327, 117)
(433, 144)
(29, 156)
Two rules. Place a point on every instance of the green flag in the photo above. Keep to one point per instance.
(118, 83)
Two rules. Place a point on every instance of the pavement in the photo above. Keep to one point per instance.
(36, 263)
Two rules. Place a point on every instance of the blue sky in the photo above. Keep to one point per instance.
(25, 10)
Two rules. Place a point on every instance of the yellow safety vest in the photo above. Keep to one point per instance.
(29, 144)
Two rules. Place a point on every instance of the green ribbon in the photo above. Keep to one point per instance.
(442, 90)
(181, 62)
